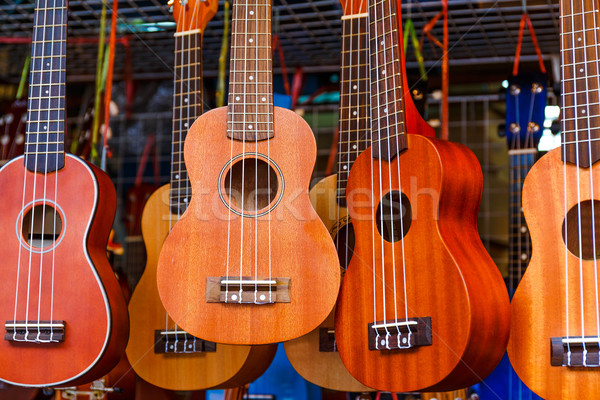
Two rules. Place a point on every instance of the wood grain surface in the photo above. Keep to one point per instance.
(449, 275)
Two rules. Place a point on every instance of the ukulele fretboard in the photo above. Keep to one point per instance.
(44, 145)
(250, 112)
(580, 82)
(354, 133)
(187, 107)
(387, 108)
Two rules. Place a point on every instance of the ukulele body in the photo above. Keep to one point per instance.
(86, 294)
(449, 275)
(192, 371)
(325, 368)
(197, 247)
(538, 307)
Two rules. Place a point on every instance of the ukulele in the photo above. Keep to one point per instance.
(315, 355)
(555, 341)
(56, 218)
(525, 105)
(161, 352)
(422, 306)
(249, 262)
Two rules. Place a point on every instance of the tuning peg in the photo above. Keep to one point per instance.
(515, 89)
(170, 4)
(514, 128)
(533, 127)
(536, 88)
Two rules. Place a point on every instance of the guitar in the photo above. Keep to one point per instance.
(249, 262)
(56, 218)
(161, 352)
(555, 339)
(525, 105)
(399, 325)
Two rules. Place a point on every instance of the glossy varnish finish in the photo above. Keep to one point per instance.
(223, 368)
(468, 307)
(557, 296)
(96, 323)
(301, 248)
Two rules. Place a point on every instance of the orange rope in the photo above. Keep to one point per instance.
(525, 18)
(109, 75)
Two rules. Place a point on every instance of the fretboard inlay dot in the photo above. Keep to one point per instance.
(345, 167)
(264, 99)
(237, 98)
(354, 87)
(354, 147)
(251, 77)
(249, 126)
(251, 12)
(383, 72)
(250, 40)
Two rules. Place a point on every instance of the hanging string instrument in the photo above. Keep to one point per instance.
(249, 262)
(555, 337)
(525, 106)
(161, 352)
(56, 218)
(422, 306)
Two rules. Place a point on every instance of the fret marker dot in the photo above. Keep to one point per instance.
(354, 113)
(580, 69)
(583, 111)
(382, 43)
(186, 124)
(251, 40)
(251, 77)
(233, 297)
(354, 147)
(177, 176)
(47, 92)
(354, 87)
(45, 127)
(383, 72)
(249, 126)
(523, 256)
(185, 200)
(385, 110)
(185, 100)
(251, 12)
(345, 167)
(579, 39)
(237, 98)
(382, 342)
(262, 297)
(264, 99)
(523, 229)
(48, 64)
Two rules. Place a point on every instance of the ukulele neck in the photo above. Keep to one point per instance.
(519, 248)
(44, 143)
(250, 104)
(187, 107)
(387, 105)
(580, 83)
(354, 98)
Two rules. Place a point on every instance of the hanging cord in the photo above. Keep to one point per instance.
(525, 18)
(444, 46)
(149, 147)
(109, 78)
(223, 57)
(409, 31)
(24, 78)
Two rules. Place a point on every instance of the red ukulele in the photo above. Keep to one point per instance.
(62, 308)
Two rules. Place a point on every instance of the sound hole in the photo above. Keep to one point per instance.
(344, 242)
(394, 216)
(46, 226)
(251, 184)
(582, 229)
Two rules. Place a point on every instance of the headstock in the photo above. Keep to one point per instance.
(193, 15)
(352, 7)
(525, 106)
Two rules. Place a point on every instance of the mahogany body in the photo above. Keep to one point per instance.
(450, 277)
(87, 295)
(223, 368)
(538, 305)
(301, 248)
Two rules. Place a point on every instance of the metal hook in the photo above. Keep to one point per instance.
(524, 6)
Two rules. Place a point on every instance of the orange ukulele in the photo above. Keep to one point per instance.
(422, 306)
(56, 216)
(160, 352)
(249, 262)
(555, 336)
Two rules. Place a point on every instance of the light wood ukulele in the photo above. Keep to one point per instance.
(422, 306)
(57, 211)
(555, 332)
(249, 262)
(161, 352)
